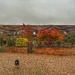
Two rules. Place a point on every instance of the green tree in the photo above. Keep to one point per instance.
(70, 39)
(58, 43)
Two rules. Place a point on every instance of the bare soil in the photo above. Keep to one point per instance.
(37, 64)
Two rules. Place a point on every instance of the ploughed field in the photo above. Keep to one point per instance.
(37, 64)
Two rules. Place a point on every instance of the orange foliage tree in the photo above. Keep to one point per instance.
(50, 35)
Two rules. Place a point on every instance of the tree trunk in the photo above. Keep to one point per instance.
(29, 47)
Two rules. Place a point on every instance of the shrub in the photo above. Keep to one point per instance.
(10, 41)
(70, 39)
(2, 48)
(4, 43)
(58, 43)
(1, 41)
(20, 42)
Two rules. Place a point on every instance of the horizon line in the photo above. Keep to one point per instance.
(37, 24)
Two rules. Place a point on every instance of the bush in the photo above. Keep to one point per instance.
(21, 42)
(70, 39)
(1, 41)
(58, 43)
(10, 41)
(2, 48)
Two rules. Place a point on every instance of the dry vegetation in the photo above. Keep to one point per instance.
(55, 51)
(36, 64)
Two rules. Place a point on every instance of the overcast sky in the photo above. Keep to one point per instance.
(37, 12)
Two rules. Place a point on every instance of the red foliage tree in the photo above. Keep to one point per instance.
(26, 31)
(56, 34)
(50, 35)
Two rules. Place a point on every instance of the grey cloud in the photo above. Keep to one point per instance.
(37, 11)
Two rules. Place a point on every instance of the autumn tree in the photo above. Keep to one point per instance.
(50, 35)
(26, 31)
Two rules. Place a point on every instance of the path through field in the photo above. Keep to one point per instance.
(36, 64)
